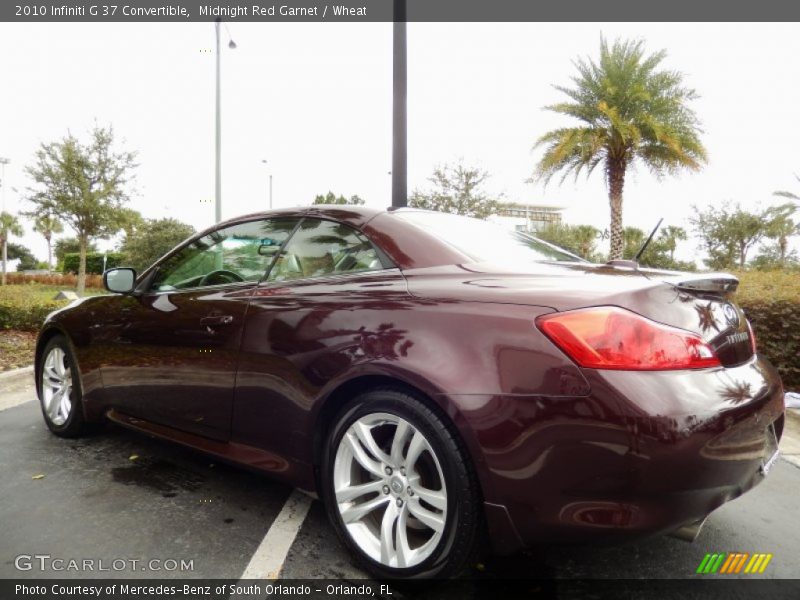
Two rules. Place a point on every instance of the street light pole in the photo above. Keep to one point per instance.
(264, 162)
(218, 138)
(399, 108)
(218, 125)
(3, 163)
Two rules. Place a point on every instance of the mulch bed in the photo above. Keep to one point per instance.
(16, 349)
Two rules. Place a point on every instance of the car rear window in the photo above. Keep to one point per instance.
(483, 241)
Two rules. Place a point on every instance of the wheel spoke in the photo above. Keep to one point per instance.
(364, 434)
(55, 402)
(399, 440)
(351, 492)
(435, 498)
(359, 511)
(58, 362)
(401, 540)
(361, 455)
(388, 553)
(50, 373)
(415, 448)
(64, 405)
(429, 518)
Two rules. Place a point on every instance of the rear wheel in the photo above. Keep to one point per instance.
(60, 389)
(398, 487)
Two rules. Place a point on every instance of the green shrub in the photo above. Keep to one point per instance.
(94, 262)
(771, 300)
(24, 307)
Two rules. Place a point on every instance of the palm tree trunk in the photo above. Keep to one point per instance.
(5, 259)
(616, 181)
(49, 255)
(82, 267)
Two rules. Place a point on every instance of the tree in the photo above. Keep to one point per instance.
(151, 241)
(331, 198)
(84, 185)
(631, 113)
(781, 227)
(670, 236)
(728, 234)
(69, 245)
(26, 258)
(9, 225)
(458, 190)
(578, 239)
(790, 195)
(47, 225)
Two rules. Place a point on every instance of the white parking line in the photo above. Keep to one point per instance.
(268, 559)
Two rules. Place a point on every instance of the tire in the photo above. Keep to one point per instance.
(430, 528)
(56, 377)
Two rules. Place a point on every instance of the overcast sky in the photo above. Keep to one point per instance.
(314, 100)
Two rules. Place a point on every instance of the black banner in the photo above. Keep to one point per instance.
(416, 10)
(317, 589)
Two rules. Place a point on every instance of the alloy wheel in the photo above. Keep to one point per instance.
(57, 386)
(390, 490)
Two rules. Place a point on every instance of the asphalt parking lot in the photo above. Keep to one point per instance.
(121, 495)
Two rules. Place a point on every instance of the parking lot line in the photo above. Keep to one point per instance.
(267, 561)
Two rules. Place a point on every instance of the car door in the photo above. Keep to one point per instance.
(172, 357)
(310, 321)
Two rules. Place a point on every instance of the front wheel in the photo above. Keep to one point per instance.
(398, 487)
(60, 389)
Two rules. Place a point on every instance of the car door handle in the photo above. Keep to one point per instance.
(216, 320)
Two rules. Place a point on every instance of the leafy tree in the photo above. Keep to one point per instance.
(728, 234)
(84, 185)
(9, 225)
(47, 225)
(151, 241)
(331, 198)
(578, 239)
(458, 190)
(69, 245)
(631, 112)
(26, 258)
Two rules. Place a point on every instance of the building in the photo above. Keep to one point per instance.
(522, 216)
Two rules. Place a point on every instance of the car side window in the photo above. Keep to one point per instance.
(238, 253)
(321, 247)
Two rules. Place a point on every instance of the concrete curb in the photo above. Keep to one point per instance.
(6, 376)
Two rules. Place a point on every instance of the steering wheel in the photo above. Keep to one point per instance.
(224, 274)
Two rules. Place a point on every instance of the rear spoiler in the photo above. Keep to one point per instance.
(715, 283)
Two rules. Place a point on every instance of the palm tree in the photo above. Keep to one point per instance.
(631, 112)
(780, 227)
(670, 236)
(9, 225)
(47, 225)
(790, 195)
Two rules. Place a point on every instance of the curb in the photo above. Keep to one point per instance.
(14, 373)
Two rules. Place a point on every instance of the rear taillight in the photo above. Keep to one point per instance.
(609, 337)
(752, 336)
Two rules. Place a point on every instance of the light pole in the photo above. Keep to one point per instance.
(218, 128)
(3, 163)
(264, 162)
(399, 109)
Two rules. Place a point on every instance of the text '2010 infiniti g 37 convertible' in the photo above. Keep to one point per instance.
(435, 380)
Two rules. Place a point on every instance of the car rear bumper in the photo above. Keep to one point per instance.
(644, 453)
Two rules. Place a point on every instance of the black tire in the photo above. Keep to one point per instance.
(75, 424)
(458, 544)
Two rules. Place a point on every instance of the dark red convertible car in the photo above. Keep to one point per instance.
(435, 380)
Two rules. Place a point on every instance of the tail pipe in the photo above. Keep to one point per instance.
(690, 531)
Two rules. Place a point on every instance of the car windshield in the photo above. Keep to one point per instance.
(483, 241)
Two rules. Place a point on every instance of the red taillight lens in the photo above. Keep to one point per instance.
(609, 337)
(752, 336)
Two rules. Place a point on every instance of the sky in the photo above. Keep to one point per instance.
(314, 101)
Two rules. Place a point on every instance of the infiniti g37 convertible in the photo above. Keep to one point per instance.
(436, 380)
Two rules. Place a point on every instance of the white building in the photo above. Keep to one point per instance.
(522, 216)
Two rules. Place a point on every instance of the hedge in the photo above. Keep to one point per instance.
(94, 262)
(771, 300)
(24, 307)
(68, 281)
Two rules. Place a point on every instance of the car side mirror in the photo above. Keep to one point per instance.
(119, 281)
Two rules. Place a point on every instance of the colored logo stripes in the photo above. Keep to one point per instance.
(734, 562)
